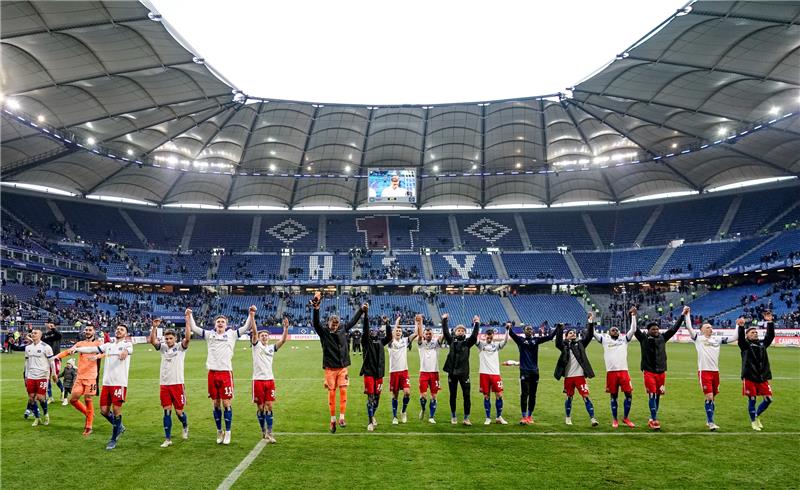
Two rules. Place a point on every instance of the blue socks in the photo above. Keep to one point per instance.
(218, 418)
(487, 407)
(268, 418)
(568, 406)
(261, 419)
(394, 407)
(498, 405)
(34, 408)
(627, 406)
(422, 402)
(117, 427)
(589, 406)
(614, 406)
(751, 408)
(43, 403)
(433, 407)
(764, 405)
(184, 419)
(168, 424)
(652, 402)
(709, 411)
(228, 418)
(406, 399)
(109, 416)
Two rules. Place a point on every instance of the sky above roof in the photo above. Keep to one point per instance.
(410, 52)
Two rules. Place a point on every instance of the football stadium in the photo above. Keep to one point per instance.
(205, 287)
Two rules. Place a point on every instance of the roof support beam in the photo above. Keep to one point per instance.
(74, 26)
(361, 161)
(729, 15)
(244, 149)
(483, 156)
(755, 76)
(50, 156)
(543, 123)
(421, 165)
(303, 157)
(611, 190)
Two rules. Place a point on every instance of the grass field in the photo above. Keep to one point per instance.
(547, 454)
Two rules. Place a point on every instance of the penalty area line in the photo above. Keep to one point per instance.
(537, 434)
(246, 462)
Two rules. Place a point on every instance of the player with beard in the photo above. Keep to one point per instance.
(528, 368)
(428, 368)
(756, 372)
(335, 357)
(373, 366)
(398, 370)
(573, 365)
(615, 355)
(457, 364)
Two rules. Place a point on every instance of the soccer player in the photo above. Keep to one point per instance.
(428, 368)
(528, 368)
(115, 379)
(335, 357)
(373, 366)
(86, 380)
(52, 337)
(574, 366)
(654, 363)
(39, 369)
(457, 364)
(263, 379)
(398, 370)
(171, 391)
(615, 355)
(708, 362)
(490, 380)
(756, 372)
(221, 342)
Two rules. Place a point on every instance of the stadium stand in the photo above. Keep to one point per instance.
(298, 232)
(229, 231)
(461, 309)
(479, 231)
(536, 309)
(463, 266)
(164, 230)
(694, 221)
(757, 208)
(619, 228)
(786, 245)
(434, 232)
(34, 212)
(536, 265)
(550, 230)
(98, 223)
(248, 266)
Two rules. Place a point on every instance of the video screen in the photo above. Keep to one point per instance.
(392, 186)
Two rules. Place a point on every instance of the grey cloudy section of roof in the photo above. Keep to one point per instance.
(112, 72)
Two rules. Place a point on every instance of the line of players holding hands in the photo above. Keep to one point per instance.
(573, 366)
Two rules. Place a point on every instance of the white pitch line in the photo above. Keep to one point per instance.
(246, 462)
(538, 434)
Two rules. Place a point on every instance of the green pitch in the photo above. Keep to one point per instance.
(547, 454)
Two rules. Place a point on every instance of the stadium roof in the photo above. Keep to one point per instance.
(101, 100)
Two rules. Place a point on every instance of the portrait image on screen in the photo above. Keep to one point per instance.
(392, 186)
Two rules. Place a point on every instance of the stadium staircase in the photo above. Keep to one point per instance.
(788, 210)
(427, 267)
(60, 218)
(122, 256)
(665, 255)
(356, 269)
(511, 313)
(455, 232)
(213, 266)
(255, 233)
(187, 232)
(729, 216)
(587, 220)
(286, 261)
(574, 268)
(499, 266)
(433, 313)
(640, 238)
(322, 233)
(523, 232)
(136, 231)
(754, 247)
(22, 223)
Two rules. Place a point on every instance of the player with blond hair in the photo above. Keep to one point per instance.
(263, 378)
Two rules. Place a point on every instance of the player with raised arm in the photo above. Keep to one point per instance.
(40, 368)
(457, 364)
(708, 362)
(574, 366)
(263, 378)
(654, 363)
(171, 390)
(335, 357)
(756, 372)
(373, 366)
(528, 368)
(115, 379)
(428, 368)
(615, 355)
(221, 342)
(489, 373)
(398, 370)
(86, 379)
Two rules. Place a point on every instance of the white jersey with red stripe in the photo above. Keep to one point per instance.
(489, 356)
(172, 360)
(263, 356)
(115, 371)
(707, 347)
(398, 355)
(429, 356)
(37, 360)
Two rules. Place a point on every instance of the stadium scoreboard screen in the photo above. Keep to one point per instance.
(392, 186)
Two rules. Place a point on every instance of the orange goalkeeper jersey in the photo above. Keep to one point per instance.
(87, 370)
